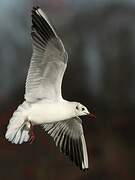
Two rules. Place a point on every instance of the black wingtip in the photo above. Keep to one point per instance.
(35, 8)
(86, 169)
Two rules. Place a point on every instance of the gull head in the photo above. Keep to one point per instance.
(81, 110)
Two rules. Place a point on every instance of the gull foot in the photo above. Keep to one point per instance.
(31, 134)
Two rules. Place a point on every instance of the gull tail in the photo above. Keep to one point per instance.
(17, 131)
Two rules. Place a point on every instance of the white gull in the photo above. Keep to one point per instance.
(44, 104)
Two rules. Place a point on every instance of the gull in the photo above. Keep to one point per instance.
(44, 104)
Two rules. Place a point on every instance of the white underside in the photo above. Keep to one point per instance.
(47, 112)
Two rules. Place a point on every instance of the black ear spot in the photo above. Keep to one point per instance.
(77, 107)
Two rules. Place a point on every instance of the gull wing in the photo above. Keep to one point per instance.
(69, 137)
(48, 62)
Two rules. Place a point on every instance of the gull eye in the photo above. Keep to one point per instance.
(77, 107)
(83, 109)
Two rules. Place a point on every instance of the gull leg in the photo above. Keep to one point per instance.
(31, 133)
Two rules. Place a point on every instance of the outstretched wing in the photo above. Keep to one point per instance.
(48, 62)
(68, 136)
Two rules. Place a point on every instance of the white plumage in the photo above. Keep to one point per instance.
(43, 103)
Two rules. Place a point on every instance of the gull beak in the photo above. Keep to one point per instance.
(91, 115)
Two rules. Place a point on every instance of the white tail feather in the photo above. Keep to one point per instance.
(16, 131)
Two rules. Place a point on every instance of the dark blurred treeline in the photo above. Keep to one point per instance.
(100, 40)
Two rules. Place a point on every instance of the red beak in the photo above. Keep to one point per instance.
(91, 115)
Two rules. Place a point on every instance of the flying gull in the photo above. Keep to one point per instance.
(44, 104)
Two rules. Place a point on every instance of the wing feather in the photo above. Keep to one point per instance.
(48, 62)
(68, 136)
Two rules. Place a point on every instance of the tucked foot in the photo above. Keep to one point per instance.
(31, 134)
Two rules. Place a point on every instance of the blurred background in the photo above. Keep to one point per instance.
(99, 36)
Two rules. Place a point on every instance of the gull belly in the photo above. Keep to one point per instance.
(45, 112)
